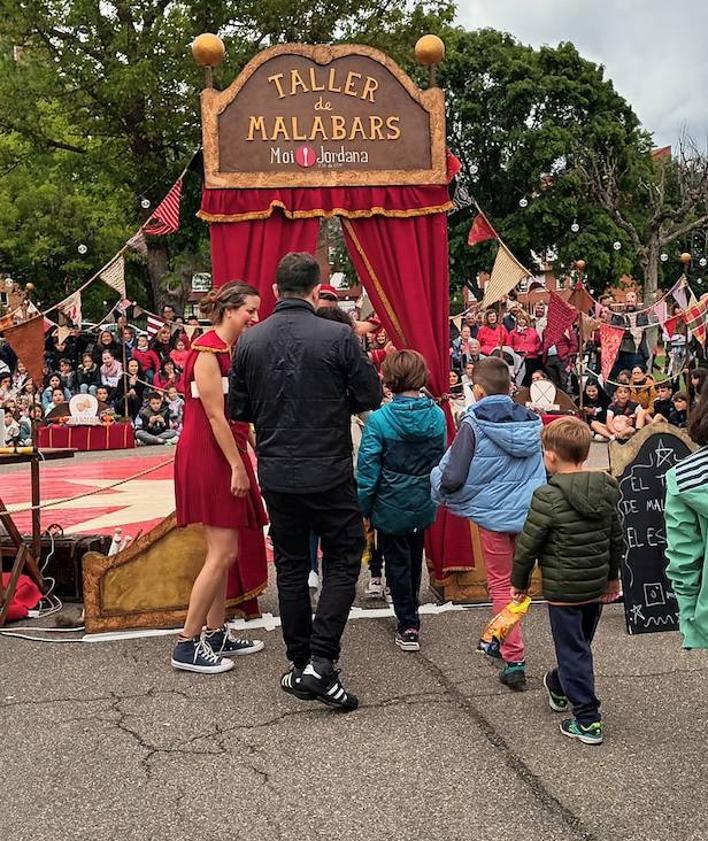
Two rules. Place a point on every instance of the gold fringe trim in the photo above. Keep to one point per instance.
(374, 279)
(206, 349)
(251, 594)
(324, 214)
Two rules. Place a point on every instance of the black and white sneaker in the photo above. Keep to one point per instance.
(408, 640)
(321, 679)
(226, 644)
(290, 682)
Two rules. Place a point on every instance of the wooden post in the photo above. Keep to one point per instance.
(125, 381)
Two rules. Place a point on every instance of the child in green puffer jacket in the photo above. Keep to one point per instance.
(686, 514)
(573, 531)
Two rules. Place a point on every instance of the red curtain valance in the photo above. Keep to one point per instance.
(304, 203)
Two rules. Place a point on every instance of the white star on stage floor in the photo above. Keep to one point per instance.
(636, 611)
(662, 453)
(138, 500)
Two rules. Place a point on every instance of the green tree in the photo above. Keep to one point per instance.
(518, 118)
(99, 105)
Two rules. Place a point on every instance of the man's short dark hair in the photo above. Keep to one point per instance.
(492, 376)
(298, 274)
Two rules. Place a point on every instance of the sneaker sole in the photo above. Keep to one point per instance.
(258, 645)
(579, 736)
(408, 646)
(226, 666)
(551, 703)
(300, 694)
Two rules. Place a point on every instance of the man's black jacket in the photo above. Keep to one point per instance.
(298, 378)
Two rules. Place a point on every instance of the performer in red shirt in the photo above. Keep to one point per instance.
(215, 485)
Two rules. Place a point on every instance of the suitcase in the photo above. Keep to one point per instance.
(64, 564)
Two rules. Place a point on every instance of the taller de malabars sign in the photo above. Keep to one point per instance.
(320, 116)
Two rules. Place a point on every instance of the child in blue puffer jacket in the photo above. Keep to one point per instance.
(488, 476)
(402, 442)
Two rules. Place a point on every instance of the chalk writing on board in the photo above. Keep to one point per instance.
(650, 604)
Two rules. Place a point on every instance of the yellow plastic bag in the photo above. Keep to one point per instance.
(501, 625)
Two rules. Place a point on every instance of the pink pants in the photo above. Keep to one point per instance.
(498, 551)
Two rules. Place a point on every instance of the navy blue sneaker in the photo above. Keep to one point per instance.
(196, 655)
(321, 679)
(226, 644)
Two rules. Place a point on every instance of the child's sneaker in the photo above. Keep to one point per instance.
(321, 679)
(558, 703)
(313, 580)
(513, 675)
(375, 588)
(387, 595)
(408, 640)
(588, 734)
(196, 655)
(225, 643)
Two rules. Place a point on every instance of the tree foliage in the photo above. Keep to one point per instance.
(99, 109)
(517, 118)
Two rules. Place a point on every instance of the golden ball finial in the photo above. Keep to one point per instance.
(685, 258)
(580, 265)
(429, 50)
(208, 50)
(29, 287)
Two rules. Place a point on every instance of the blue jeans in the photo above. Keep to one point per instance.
(88, 389)
(573, 628)
(404, 567)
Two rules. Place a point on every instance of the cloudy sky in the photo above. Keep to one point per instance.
(655, 51)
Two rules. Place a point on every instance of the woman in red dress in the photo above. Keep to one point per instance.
(215, 484)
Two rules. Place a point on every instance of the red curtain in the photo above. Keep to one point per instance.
(251, 251)
(402, 262)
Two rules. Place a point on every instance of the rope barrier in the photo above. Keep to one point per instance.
(59, 502)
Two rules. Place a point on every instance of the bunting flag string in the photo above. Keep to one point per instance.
(481, 230)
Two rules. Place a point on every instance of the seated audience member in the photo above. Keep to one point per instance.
(595, 403)
(167, 376)
(54, 382)
(492, 335)
(58, 399)
(67, 375)
(660, 409)
(88, 377)
(104, 395)
(642, 387)
(105, 342)
(131, 385)
(155, 422)
(696, 381)
(622, 416)
(111, 370)
(679, 413)
(148, 358)
(179, 354)
(175, 407)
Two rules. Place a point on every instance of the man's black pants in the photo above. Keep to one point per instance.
(335, 516)
(403, 556)
(573, 628)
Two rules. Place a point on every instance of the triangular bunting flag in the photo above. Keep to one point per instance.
(70, 308)
(7, 321)
(457, 321)
(27, 340)
(580, 299)
(190, 330)
(481, 230)
(114, 275)
(165, 219)
(680, 292)
(63, 334)
(506, 274)
(696, 321)
(610, 341)
(560, 317)
(675, 325)
(124, 305)
(137, 311)
(138, 243)
(154, 324)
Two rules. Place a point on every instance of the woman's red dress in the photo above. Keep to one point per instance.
(203, 484)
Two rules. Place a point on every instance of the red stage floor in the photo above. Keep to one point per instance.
(137, 505)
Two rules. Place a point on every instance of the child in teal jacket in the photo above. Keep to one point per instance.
(402, 442)
(686, 515)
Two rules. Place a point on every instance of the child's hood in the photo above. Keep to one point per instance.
(414, 417)
(593, 494)
(511, 427)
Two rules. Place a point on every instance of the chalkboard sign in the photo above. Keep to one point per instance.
(640, 467)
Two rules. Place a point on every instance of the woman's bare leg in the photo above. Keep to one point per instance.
(222, 549)
(217, 611)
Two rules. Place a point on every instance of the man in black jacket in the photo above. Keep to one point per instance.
(299, 378)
